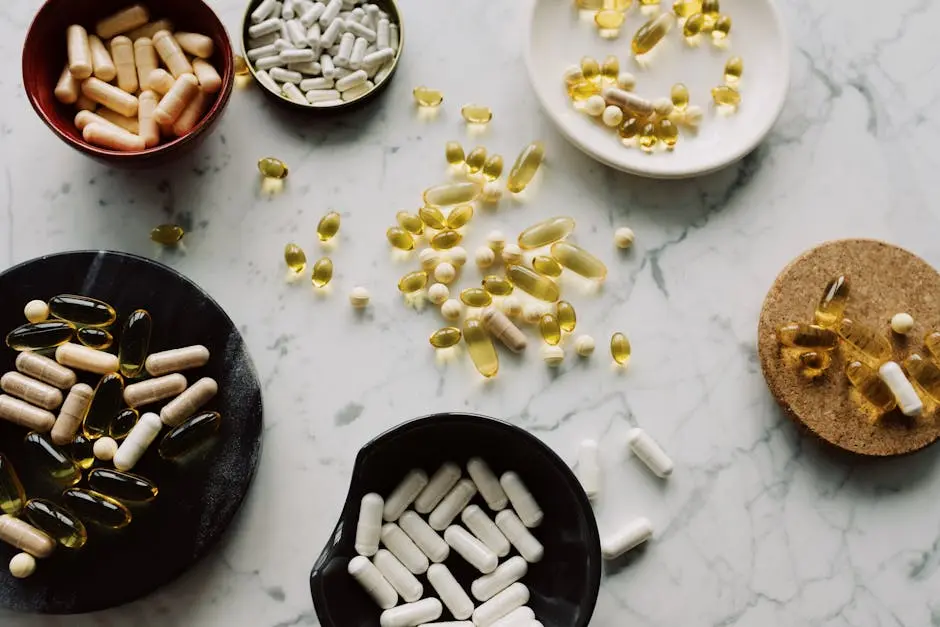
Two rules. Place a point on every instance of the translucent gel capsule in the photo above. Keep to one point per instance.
(295, 258)
(620, 348)
(497, 285)
(493, 168)
(412, 282)
(649, 2)
(809, 336)
(647, 137)
(567, 318)
(481, 348)
(322, 272)
(432, 217)
(694, 25)
(667, 132)
(582, 90)
(105, 405)
(685, 8)
(610, 68)
(734, 69)
(446, 337)
(932, 342)
(924, 373)
(459, 216)
(272, 168)
(546, 232)
(590, 5)
(122, 485)
(532, 283)
(831, 307)
(476, 114)
(590, 68)
(122, 423)
(95, 507)
(51, 460)
(241, 66)
(617, 5)
(865, 339)
(870, 386)
(814, 363)
(57, 523)
(727, 96)
(651, 33)
(12, 495)
(191, 435)
(427, 97)
(400, 238)
(451, 194)
(167, 234)
(579, 260)
(453, 152)
(328, 226)
(445, 239)
(82, 451)
(544, 264)
(95, 338)
(476, 159)
(609, 19)
(40, 335)
(722, 28)
(82, 310)
(135, 343)
(410, 222)
(679, 94)
(631, 127)
(711, 8)
(475, 297)
(549, 329)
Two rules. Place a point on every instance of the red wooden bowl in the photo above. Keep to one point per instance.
(44, 56)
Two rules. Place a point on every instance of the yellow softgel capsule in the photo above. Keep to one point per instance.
(711, 8)
(525, 167)
(590, 5)
(12, 494)
(328, 226)
(649, 2)
(446, 239)
(870, 386)
(459, 216)
(866, 339)
(400, 238)
(432, 217)
(453, 152)
(322, 272)
(679, 94)
(480, 347)
(647, 137)
(427, 97)
(620, 348)
(685, 8)
(546, 232)
(40, 335)
(533, 283)
(476, 114)
(241, 66)
(549, 329)
(410, 222)
(97, 508)
(167, 234)
(722, 27)
(694, 25)
(808, 336)
(651, 33)
(412, 282)
(610, 68)
(727, 96)
(925, 373)
(932, 342)
(295, 258)
(579, 260)
(567, 318)
(543, 264)
(667, 132)
(446, 337)
(631, 127)
(476, 297)
(815, 363)
(590, 68)
(831, 307)
(497, 285)
(476, 159)
(583, 89)
(493, 168)
(734, 69)
(451, 194)
(272, 168)
(609, 19)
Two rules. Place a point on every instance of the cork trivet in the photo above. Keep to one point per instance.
(884, 280)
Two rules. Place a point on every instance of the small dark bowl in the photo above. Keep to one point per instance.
(563, 587)
(44, 56)
(389, 6)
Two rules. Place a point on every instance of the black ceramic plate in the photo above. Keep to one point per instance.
(197, 499)
(563, 587)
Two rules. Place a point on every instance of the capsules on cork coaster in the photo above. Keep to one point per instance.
(849, 338)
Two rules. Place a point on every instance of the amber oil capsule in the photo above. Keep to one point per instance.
(191, 435)
(167, 234)
(590, 68)
(95, 338)
(590, 5)
(497, 285)
(808, 336)
(610, 68)
(726, 96)
(544, 264)
(932, 342)
(651, 33)
(82, 310)
(631, 127)
(549, 329)
(95, 507)
(432, 217)
(476, 159)
(475, 297)
(427, 97)
(584, 89)
(123, 486)
(493, 168)
(295, 258)
(476, 114)
(831, 307)
(685, 8)
(328, 226)
(454, 153)
(123, 422)
(721, 28)
(711, 8)
(459, 216)
(620, 348)
(533, 283)
(525, 167)
(694, 25)
(82, 451)
(400, 238)
(57, 523)
(412, 282)
(241, 66)
(40, 335)
(866, 339)
(579, 260)
(135, 343)
(870, 386)
(105, 405)
(734, 69)
(410, 222)
(815, 363)
(481, 349)
(925, 373)
(322, 272)
(617, 5)
(667, 132)
(445, 239)
(272, 168)
(608, 19)
(446, 337)
(647, 137)
(546, 232)
(451, 194)
(567, 318)
(12, 495)
(52, 460)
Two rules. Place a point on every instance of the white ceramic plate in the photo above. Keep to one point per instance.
(560, 35)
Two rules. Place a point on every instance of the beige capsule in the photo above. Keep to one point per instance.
(122, 51)
(627, 101)
(145, 59)
(175, 101)
(189, 402)
(113, 137)
(85, 104)
(503, 329)
(160, 81)
(72, 414)
(79, 52)
(25, 537)
(30, 390)
(131, 125)
(110, 96)
(86, 359)
(101, 60)
(192, 114)
(209, 78)
(67, 88)
(177, 360)
(124, 20)
(45, 369)
(84, 118)
(171, 53)
(149, 130)
(22, 413)
(150, 29)
(154, 390)
(195, 44)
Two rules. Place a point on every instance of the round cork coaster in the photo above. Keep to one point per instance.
(884, 280)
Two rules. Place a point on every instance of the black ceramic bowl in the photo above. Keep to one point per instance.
(198, 498)
(563, 587)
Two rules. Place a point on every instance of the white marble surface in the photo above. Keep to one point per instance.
(759, 525)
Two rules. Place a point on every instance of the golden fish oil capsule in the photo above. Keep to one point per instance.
(328, 226)
(480, 347)
(432, 217)
(544, 264)
(814, 363)
(446, 337)
(734, 69)
(451, 194)
(722, 27)
(57, 523)
(410, 222)
(667, 132)
(630, 127)
(617, 5)
(685, 8)
(579, 260)
(497, 285)
(695, 25)
(295, 258)
(809, 336)
(549, 329)
(454, 154)
(932, 342)
(52, 460)
(493, 168)
(191, 435)
(241, 66)
(590, 5)
(831, 307)
(476, 114)
(711, 8)
(40, 335)
(870, 386)
(167, 234)
(123, 486)
(445, 239)
(584, 89)
(609, 19)
(135, 343)
(546, 232)
(620, 348)
(532, 283)
(459, 216)
(865, 339)
(475, 297)
(12, 494)
(105, 405)
(95, 338)
(122, 423)
(590, 68)
(427, 97)
(651, 33)
(476, 159)
(400, 238)
(272, 168)
(82, 451)
(924, 373)
(726, 96)
(322, 272)
(82, 310)
(610, 68)
(647, 137)
(649, 2)
(97, 508)
(412, 282)
(679, 94)
(567, 318)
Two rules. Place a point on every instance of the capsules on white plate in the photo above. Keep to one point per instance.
(649, 452)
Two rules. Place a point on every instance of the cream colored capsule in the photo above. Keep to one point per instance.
(84, 103)
(450, 591)
(405, 583)
(417, 613)
(426, 539)
(72, 413)
(628, 101)
(209, 78)
(79, 52)
(150, 29)
(513, 597)
(193, 113)
(372, 581)
(173, 104)
(522, 500)
(502, 328)
(84, 118)
(101, 61)
(137, 441)
(113, 137)
(508, 573)
(486, 531)
(176, 360)
(145, 58)
(402, 547)
(519, 536)
(149, 130)
(30, 390)
(472, 550)
(45, 369)
(449, 508)
(195, 44)
(135, 16)
(154, 390)
(22, 413)
(67, 89)
(160, 81)
(84, 358)
(404, 495)
(171, 53)
(189, 402)
(438, 487)
(25, 537)
(369, 525)
(122, 51)
(110, 96)
(131, 125)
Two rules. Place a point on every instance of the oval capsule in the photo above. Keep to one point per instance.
(532, 283)
(52, 460)
(105, 405)
(452, 194)
(82, 310)
(579, 260)
(12, 494)
(123, 486)
(123, 422)
(191, 435)
(546, 232)
(135, 343)
(40, 335)
(95, 507)
(95, 338)
(82, 451)
(57, 523)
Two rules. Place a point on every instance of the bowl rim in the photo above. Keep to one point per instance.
(221, 101)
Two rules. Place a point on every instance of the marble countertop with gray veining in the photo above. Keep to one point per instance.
(758, 526)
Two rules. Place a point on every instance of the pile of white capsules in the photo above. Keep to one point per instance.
(413, 546)
(321, 54)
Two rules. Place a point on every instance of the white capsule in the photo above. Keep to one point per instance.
(472, 550)
(285, 76)
(632, 535)
(519, 536)
(649, 452)
(623, 237)
(519, 617)
(424, 537)
(511, 306)
(908, 400)
(487, 483)
(263, 11)
(595, 105)
(313, 84)
(393, 36)
(513, 597)
(355, 79)
(452, 504)
(137, 441)
(485, 530)
(360, 31)
(312, 15)
(297, 33)
(310, 68)
(372, 581)
(412, 614)
(382, 35)
(332, 33)
(438, 293)
(407, 586)
(295, 55)
(553, 356)
(902, 323)
(359, 297)
(612, 116)
(402, 547)
(268, 63)
(405, 494)
(369, 526)
(522, 500)
(358, 53)
(328, 103)
(267, 81)
(447, 587)
(626, 81)
(326, 63)
(331, 12)
(313, 38)
(345, 50)
(293, 93)
(270, 25)
(282, 45)
(508, 573)
(438, 487)
(589, 468)
(321, 95)
(287, 10)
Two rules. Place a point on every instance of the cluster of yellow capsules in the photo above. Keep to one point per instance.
(296, 259)
(881, 382)
(93, 425)
(428, 98)
(697, 17)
